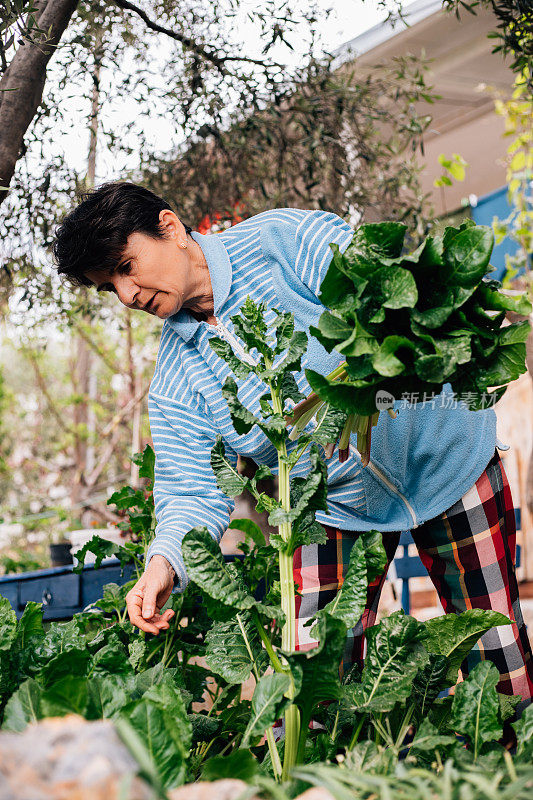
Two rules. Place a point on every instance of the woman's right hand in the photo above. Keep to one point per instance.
(145, 600)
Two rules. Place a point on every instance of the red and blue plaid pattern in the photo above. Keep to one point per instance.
(470, 554)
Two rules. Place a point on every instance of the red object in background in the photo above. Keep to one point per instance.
(214, 223)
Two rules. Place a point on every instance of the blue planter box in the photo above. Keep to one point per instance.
(62, 592)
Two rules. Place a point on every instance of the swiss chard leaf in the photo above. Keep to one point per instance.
(476, 708)
(454, 635)
(228, 651)
(395, 654)
(206, 567)
(268, 703)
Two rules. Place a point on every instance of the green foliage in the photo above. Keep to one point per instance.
(410, 322)
(99, 666)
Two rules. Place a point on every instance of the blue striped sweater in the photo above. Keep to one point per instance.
(280, 257)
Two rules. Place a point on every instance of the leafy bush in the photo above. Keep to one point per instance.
(388, 727)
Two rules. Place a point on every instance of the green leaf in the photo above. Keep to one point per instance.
(333, 327)
(284, 327)
(428, 738)
(330, 426)
(108, 695)
(70, 663)
(524, 729)
(395, 654)
(101, 548)
(476, 708)
(467, 256)
(319, 666)
(228, 479)
(68, 695)
(375, 555)
(454, 635)
(508, 704)
(243, 420)
(292, 360)
(206, 567)
(251, 529)
(160, 719)
(238, 765)
(383, 238)
(385, 360)
(146, 463)
(224, 351)
(347, 398)
(250, 326)
(492, 299)
(395, 287)
(337, 290)
(427, 684)
(350, 601)
(23, 707)
(268, 703)
(227, 652)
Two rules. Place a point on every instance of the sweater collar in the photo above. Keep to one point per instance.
(219, 267)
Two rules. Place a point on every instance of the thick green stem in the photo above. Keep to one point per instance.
(288, 604)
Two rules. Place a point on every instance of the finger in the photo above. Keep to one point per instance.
(149, 602)
(134, 601)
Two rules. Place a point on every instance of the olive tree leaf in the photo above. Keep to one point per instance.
(454, 635)
(476, 708)
(268, 703)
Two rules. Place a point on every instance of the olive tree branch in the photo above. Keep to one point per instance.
(218, 61)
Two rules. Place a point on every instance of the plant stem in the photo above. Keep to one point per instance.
(273, 750)
(288, 604)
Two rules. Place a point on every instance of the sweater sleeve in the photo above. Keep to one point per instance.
(185, 489)
(299, 241)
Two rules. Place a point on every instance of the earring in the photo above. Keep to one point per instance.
(184, 245)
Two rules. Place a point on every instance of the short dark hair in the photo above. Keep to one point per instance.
(94, 235)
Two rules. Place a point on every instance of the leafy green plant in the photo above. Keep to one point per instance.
(407, 323)
(155, 688)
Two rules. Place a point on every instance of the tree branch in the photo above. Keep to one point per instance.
(21, 86)
(189, 44)
(44, 389)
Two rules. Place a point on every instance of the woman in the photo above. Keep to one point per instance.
(434, 470)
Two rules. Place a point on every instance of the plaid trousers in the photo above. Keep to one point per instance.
(469, 552)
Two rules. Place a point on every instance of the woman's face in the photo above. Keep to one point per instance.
(154, 275)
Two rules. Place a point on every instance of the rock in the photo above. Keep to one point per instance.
(316, 793)
(231, 789)
(68, 758)
(227, 789)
